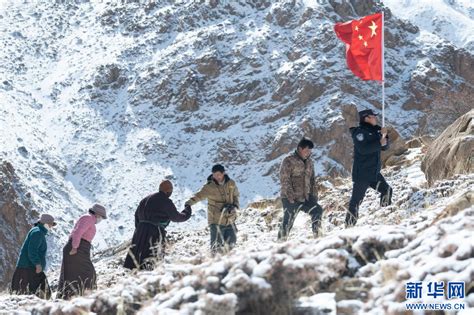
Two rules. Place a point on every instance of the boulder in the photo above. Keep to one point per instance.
(414, 143)
(397, 146)
(419, 142)
(452, 152)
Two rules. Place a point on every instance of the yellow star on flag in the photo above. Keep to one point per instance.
(373, 27)
(360, 37)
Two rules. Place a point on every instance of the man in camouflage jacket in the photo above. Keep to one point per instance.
(298, 189)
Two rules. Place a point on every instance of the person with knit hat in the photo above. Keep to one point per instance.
(29, 276)
(153, 215)
(77, 271)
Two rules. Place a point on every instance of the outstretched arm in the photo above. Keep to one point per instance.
(200, 195)
(176, 216)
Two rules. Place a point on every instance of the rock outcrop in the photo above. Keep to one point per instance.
(13, 220)
(452, 152)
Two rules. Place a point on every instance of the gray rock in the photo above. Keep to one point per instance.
(452, 152)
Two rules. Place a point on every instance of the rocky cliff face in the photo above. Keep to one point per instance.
(14, 220)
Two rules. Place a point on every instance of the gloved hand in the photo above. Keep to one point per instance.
(313, 199)
(232, 210)
(187, 210)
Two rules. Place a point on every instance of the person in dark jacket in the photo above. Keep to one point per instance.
(29, 276)
(152, 216)
(369, 140)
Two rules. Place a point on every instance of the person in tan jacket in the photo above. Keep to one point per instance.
(222, 197)
(298, 189)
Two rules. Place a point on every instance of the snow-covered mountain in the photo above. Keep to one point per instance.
(449, 19)
(100, 101)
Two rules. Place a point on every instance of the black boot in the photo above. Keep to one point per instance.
(282, 234)
(386, 199)
(317, 231)
(351, 219)
(316, 227)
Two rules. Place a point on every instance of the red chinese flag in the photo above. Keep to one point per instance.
(363, 40)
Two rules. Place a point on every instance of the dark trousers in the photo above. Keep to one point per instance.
(358, 193)
(27, 281)
(147, 248)
(78, 274)
(223, 237)
(290, 210)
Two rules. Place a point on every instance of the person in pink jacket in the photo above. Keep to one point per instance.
(77, 271)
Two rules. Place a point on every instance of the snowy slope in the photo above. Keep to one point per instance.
(418, 239)
(452, 20)
(101, 101)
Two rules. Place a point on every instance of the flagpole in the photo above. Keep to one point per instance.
(383, 68)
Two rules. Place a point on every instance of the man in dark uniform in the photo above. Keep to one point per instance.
(153, 215)
(369, 139)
